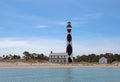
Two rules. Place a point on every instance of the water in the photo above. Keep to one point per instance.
(60, 75)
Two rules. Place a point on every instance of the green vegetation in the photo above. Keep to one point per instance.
(93, 58)
(27, 57)
(39, 57)
(34, 57)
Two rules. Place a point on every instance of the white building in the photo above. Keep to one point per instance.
(0, 58)
(58, 57)
(103, 60)
(64, 57)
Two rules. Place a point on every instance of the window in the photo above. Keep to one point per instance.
(56, 60)
(59, 56)
(59, 60)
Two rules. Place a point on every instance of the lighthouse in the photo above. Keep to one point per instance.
(64, 57)
(69, 49)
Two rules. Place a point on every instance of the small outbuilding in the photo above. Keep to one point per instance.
(103, 60)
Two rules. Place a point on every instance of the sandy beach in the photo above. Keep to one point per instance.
(55, 65)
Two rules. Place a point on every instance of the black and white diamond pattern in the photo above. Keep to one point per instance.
(69, 43)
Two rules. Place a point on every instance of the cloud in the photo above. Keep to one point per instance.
(12, 43)
(93, 15)
(42, 26)
(51, 23)
(33, 45)
(98, 46)
(88, 16)
(23, 19)
(45, 45)
(35, 19)
(57, 22)
(84, 19)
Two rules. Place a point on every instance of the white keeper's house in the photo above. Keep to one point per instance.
(58, 57)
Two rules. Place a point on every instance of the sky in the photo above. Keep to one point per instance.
(39, 26)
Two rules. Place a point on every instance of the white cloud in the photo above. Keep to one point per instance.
(62, 23)
(45, 45)
(88, 16)
(98, 46)
(42, 26)
(37, 45)
(83, 19)
(93, 15)
(10, 43)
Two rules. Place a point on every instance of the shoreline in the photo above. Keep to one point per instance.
(55, 65)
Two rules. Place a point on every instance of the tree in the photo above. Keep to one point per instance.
(16, 57)
(27, 55)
